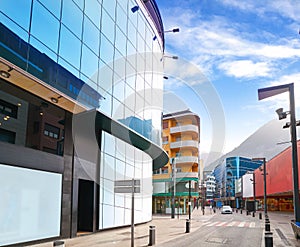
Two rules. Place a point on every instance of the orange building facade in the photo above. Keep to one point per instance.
(181, 138)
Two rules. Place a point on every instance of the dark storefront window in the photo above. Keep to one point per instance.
(29, 121)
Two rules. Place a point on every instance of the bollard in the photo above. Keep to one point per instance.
(151, 235)
(267, 227)
(236, 210)
(268, 239)
(260, 216)
(241, 211)
(253, 214)
(59, 243)
(247, 212)
(187, 226)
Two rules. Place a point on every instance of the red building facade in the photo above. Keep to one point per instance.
(279, 181)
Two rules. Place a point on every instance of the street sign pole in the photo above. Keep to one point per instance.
(132, 214)
(129, 186)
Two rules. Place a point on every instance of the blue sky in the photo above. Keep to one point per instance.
(239, 46)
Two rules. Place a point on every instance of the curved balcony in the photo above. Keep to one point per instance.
(182, 144)
(184, 128)
(186, 159)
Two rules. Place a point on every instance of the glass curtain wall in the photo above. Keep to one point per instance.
(121, 161)
(107, 47)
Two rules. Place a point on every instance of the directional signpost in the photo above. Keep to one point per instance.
(129, 186)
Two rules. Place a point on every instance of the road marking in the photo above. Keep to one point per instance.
(252, 225)
(217, 222)
(222, 223)
(242, 224)
(232, 223)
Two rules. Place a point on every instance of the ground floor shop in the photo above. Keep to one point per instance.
(163, 204)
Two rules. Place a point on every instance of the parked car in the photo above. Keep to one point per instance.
(226, 210)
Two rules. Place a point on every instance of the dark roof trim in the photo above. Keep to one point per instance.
(156, 17)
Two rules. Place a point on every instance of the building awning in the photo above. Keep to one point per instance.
(32, 84)
(119, 130)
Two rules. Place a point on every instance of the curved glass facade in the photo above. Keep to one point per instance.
(104, 45)
(95, 62)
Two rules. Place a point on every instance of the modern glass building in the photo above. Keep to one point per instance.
(80, 108)
(226, 174)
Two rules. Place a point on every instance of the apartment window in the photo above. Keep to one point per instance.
(157, 171)
(164, 170)
(51, 131)
(178, 169)
(8, 109)
(165, 125)
(165, 140)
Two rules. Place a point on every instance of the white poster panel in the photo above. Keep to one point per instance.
(247, 186)
(30, 204)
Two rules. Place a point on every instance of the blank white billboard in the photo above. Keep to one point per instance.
(30, 204)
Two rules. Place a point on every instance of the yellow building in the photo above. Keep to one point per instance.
(181, 138)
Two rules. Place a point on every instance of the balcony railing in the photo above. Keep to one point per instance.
(183, 128)
(180, 144)
(186, 159)
(186, 175)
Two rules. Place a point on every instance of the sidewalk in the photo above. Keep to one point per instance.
(283, 235)
(168, 229)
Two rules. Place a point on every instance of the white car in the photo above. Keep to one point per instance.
(226, 210)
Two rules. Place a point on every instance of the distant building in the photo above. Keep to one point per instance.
(226, 174)
(210, 183)
(181, 137)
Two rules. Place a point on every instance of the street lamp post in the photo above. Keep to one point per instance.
(265, 182)
(269, 92)
(254, 192)
(174, 187)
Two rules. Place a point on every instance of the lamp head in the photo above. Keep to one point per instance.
(281, 114)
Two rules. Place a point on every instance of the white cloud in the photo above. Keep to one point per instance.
(246, 68)
(218, 42)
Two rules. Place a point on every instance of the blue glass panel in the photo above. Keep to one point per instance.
(72, 17)
(19, 11)
(89, 62)
(132, 33)
(110, 6)
(79, 3)
(91, 35)
(108, 26)
(121, 19)
(106, 50)
(52, 6)
(70, 47)
(120, 42)
(45, 26)
(93, 11)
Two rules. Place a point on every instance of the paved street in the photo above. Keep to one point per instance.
(229, 230)
(206, 230)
